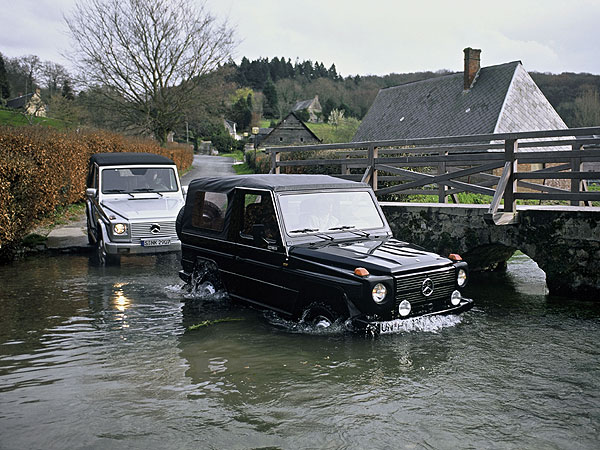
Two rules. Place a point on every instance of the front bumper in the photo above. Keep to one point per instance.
(391, 326)
(126, 248)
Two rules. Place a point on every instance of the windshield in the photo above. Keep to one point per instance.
(142, 179)
(328, 211)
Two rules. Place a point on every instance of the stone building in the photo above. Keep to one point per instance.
(481, 100)
(31, 104)
(312, 106)
(290, 131)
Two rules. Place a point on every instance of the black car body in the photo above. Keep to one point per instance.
(132, 202)
(313, 247)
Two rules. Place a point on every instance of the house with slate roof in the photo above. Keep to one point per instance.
(290, 131)
(31, 104)
(312, 106)
(481, 100)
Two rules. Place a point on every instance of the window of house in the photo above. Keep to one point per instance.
(280, 139)
(209, 209)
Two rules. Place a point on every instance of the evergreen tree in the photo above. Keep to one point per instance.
(241, 112)
(4, 87)
(270, 94)
(67, 91)
(332, 72)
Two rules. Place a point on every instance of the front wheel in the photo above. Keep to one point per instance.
(102, 257)
(319, 315)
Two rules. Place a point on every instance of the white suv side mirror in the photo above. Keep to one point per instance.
(91, 192)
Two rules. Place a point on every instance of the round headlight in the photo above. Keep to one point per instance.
(461, 277)
(120, 228)
(379, 292)
(455, 298)
(404, 308)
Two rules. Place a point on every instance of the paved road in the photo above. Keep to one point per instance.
(73, 236)
(205, 165)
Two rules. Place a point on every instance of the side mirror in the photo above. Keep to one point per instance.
(91, 192)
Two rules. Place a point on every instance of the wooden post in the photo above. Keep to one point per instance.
(576, 184)
(510, 148)
(370, 163)
(442, 187)
(275, 157)
(344, 169)
(373, 154)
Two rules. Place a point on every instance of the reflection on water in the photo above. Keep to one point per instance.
(109, 358)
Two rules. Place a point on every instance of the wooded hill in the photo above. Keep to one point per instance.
(574, 96)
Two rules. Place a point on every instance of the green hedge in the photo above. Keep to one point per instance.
(42, 168)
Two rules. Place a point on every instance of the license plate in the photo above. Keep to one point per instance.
(155, 242)
(392, 326)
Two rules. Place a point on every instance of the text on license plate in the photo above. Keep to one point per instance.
(155, 242)
(392, 326)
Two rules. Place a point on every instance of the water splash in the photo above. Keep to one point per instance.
(302, 327)
(423, 324)
(427, 324)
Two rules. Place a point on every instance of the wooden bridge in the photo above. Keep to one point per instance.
(514, 174)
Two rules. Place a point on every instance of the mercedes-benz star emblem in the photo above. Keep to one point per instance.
(155, 228)
(427, 287)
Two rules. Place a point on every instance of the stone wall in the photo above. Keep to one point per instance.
(564, 241)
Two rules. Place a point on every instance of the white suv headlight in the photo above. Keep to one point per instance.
(120, 228)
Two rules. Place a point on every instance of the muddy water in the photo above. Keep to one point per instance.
(107, 358)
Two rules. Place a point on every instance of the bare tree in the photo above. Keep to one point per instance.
(53, 74)
(148, 55)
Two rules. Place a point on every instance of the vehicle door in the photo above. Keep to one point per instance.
(260, 255)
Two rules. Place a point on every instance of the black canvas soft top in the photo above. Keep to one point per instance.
(272, 182)
(127, 158)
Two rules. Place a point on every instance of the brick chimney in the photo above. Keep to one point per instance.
(471, 66)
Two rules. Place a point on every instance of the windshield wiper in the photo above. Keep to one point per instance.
(117, 191)
(147, 190)
(304, 230)
(351, 228)
(309, 230)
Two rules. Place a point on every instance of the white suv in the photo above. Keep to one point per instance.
(132, 201)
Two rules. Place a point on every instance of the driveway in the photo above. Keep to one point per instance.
(205, 165)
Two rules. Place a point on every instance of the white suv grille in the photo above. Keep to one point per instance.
(141, 231)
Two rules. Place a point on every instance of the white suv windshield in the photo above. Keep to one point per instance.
(141, 179)
(328, 211)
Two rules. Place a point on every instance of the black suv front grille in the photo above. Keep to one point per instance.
(410, 287)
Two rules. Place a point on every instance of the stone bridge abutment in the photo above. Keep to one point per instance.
(564, 241)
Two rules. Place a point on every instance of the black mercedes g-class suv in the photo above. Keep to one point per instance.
(311, 247)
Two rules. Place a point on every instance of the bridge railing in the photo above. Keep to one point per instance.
(545, 166)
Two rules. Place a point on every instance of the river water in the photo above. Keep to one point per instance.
(95, 357)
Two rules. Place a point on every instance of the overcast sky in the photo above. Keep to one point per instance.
(366, 37)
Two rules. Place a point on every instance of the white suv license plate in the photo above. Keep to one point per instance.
(155, 242)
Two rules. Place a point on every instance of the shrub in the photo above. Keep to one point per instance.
(42, 169)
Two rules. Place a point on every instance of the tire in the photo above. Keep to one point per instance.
(103, 258)
(207, 276)
(319, 315)
(179, 222)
